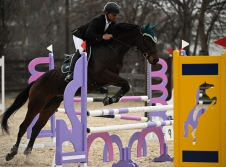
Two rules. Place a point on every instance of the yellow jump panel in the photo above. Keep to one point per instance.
(199, 130)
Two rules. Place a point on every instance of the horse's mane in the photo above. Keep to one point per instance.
(122, 28)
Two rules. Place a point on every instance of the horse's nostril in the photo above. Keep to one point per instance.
(155, 61)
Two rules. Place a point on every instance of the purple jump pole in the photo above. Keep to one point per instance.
(77, 136)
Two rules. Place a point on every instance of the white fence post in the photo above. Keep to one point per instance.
(2, 64)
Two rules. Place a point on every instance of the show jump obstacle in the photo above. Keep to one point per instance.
(78, 134)
(51, 132)
(199, 133)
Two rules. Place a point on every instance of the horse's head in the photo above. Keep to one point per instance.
(148, 44)
(210, 92)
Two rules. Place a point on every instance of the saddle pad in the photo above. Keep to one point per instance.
(65, 67)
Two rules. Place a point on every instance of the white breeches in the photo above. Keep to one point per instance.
(78, 42)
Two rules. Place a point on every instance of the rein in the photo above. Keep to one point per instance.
(145, 54)
(122, 43)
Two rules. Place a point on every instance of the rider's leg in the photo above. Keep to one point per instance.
(78, 45)
(78, 42)
(74, 58)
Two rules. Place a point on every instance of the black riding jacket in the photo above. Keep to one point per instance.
(93, 31)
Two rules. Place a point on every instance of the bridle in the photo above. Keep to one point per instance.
(144, 53)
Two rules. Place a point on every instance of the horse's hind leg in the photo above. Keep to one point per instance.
(22, 129)
(33, 110)
(44, 116)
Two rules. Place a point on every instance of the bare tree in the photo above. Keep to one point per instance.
(179, 21)
(211, 15)
(37, 25)
(195, 21)
(7, 11)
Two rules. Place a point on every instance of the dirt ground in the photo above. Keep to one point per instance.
(42, 157)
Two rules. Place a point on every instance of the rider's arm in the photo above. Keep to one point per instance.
(92, 30)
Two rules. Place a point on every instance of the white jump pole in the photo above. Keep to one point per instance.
(124, 98)
(129, 110)
(129, 126)
(115, 116)
(2, 64)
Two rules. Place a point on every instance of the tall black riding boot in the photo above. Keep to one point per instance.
(74, 58)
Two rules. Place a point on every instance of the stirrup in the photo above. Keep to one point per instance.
(69, 77)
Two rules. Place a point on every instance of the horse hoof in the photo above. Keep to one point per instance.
(106, 101)
(9, 157)
(27, 151)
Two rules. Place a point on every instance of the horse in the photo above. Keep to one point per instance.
(194, 114)
(46, 93)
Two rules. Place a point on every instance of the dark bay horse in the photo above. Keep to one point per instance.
(46, 93)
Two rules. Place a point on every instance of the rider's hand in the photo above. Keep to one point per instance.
(107, 36)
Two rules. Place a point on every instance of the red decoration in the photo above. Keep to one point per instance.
(169, 50)
(84, 45)
(221, 42)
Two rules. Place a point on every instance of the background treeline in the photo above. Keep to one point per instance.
(28, 27)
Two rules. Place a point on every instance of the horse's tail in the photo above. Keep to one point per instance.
(17, 104)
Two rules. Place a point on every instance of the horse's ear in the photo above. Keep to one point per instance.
(147, 26)
(152, 27)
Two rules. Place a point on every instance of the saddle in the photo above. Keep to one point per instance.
(66, 64)
(67, 60)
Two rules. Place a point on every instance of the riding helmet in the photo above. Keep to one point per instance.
(111, 7)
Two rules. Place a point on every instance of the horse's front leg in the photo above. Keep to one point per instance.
(115, 80)
(116, 97)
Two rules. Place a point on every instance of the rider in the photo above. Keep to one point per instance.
(94, 32)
